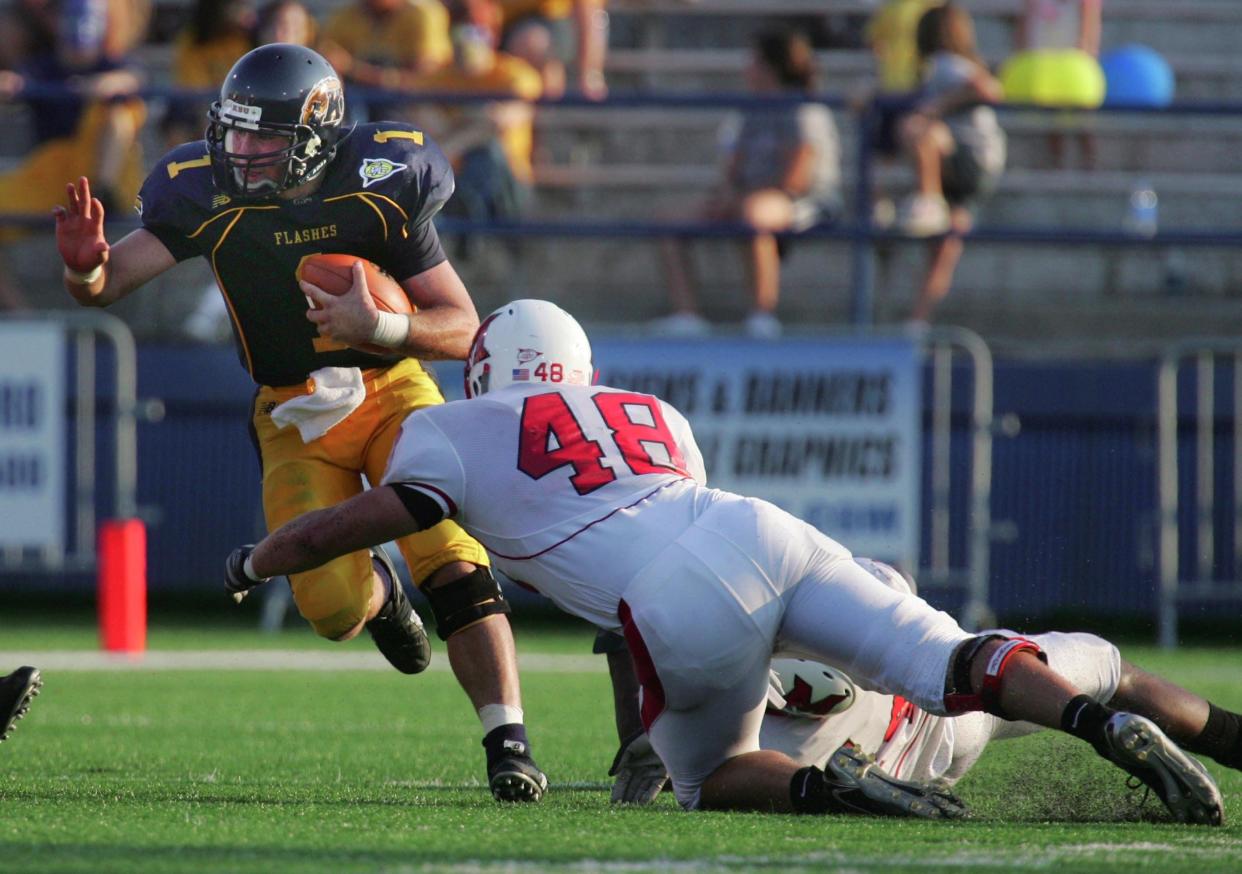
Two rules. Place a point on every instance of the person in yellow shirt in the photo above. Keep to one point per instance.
(891, 35)
(94, 130)
(203, 52)
(550, 34)
(383, 43)
(489, 144)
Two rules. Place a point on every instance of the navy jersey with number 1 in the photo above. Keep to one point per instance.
(376, 201)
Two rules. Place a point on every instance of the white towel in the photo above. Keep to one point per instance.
(338, 392)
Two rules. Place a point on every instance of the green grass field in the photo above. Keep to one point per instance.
(299, 768)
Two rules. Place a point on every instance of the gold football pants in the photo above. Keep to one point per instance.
(299, 477)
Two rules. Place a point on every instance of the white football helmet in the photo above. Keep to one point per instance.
(809, 689)
(528, 341)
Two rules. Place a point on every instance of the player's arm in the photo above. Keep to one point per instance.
(442, 327)
(96, 273)
(446, 319)
(376, 516)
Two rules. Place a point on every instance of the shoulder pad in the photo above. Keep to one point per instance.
(400, 162)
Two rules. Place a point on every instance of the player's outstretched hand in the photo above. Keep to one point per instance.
(349, 318)
(640, 773)
(237, 582)
(79, 229)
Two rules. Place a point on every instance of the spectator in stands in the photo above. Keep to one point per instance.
(27, 30)
(550, 34)
(1060, 24)
(217, 34)
(1057, 25)
(387, 44)
(890, 34)
(955, 142)
(782, 173)
(489, 144)
(285, 21)
(91, 128)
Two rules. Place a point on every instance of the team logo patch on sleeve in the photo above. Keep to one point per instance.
(374, 170)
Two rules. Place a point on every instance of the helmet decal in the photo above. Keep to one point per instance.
(325, 103)
(241, 114)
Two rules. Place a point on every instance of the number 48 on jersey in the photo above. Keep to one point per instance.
(637, 435)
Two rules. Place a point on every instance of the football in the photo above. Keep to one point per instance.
(332, 271)
(812, 689)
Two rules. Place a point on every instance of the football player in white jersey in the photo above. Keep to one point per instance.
(813, 709)
(595, 497)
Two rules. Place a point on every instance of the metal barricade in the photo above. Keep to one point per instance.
(86, 327)
(942, 345)
(1203, 583)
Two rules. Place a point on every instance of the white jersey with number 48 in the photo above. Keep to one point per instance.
(547, 478)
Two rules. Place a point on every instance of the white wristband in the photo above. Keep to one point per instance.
(391, 330)
(84, 278)
(248, 570)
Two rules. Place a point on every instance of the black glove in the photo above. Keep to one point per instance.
(236, 581)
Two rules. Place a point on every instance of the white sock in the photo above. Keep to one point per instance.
(495, 715)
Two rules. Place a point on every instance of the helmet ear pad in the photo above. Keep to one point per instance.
(276, 90)
(528, 341)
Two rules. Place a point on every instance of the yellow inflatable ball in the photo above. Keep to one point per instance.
(1060, 77)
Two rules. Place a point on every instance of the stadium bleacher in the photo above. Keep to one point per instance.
(630, 163)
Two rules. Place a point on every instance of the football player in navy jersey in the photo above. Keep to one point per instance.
(277, 178)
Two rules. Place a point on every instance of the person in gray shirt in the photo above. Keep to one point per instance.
(955, 142)
(782, 172)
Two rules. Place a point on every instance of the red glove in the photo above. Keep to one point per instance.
(79, 229)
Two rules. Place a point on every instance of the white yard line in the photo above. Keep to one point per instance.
(265, 660)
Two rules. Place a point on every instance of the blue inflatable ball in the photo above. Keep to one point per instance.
(1136, 76)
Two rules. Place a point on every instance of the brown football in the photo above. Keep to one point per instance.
(331, 271)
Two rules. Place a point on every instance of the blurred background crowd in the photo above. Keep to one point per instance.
(103, 87)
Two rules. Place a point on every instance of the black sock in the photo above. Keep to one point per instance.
(1221, 738)
(808, 792)
(1085, 718)
(504, 741)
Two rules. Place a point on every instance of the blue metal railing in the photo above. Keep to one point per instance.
(858, 229)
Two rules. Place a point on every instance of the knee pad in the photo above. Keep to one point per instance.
(960, 696)
(465, 601)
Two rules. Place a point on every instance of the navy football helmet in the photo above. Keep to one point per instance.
(276, 90)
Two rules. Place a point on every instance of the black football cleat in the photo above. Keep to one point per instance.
(515, 776)
(1137, 745)
(858, 785)
(397, 631)
(16, 692)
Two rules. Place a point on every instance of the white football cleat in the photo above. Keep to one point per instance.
(1137, 745)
